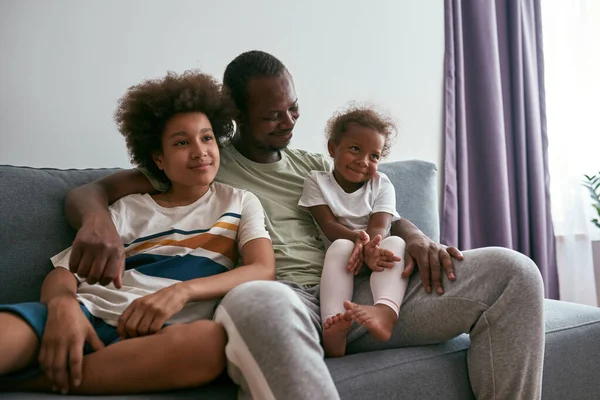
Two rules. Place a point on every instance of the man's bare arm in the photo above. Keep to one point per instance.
(95, 197)
(405, 229)
(98, 252)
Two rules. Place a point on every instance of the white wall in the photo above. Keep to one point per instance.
(64, 64)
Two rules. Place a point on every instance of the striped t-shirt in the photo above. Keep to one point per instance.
(299, 251)
(164, 246)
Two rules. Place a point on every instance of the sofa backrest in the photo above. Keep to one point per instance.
(416, 193)
(33, 225)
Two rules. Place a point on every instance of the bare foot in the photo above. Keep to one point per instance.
(334, 334)
(378, 319)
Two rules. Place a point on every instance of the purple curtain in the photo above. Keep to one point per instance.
(496, 190)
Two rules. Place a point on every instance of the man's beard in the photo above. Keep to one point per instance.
(277, 148)
(279, 133)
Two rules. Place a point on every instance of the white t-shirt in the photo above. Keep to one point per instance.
(164, 246)
(353, 210)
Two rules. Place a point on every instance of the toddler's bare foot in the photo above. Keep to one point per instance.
(378, 319)
(334, 334)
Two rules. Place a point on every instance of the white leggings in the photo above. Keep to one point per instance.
(337, 284)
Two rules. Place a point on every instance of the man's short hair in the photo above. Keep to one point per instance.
(248, 65)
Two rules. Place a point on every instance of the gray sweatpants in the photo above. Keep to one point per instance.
(497, 298)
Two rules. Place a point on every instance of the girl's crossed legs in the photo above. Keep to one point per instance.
(179, 356)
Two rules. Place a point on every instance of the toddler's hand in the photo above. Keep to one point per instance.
(377, 258)
(356, 260)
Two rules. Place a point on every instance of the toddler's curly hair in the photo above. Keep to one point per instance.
(144, 110)
(366, 116)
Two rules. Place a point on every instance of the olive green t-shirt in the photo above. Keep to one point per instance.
(299, 251)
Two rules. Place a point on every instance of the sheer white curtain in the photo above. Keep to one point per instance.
(571, 35)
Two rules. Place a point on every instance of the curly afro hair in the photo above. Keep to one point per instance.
(144, 110)
(366, 116)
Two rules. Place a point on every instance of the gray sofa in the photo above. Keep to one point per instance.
(33, 227)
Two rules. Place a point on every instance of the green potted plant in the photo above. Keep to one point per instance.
(592, 183)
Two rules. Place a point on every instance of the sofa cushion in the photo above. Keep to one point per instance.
(572, 358)
(424, 372)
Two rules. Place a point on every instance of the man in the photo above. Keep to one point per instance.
(490, 294)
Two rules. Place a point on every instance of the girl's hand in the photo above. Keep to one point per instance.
(61, 349)
(377, 258)
(148, 314)
(355, 262)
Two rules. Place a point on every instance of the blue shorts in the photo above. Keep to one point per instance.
(36, 314)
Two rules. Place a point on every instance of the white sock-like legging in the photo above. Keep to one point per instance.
(337, 284)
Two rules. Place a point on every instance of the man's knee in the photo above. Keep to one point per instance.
(261, 299)
(503, 266)
(263, 311)
(527, 276)
(517, 265)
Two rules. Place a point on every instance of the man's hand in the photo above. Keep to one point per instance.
(355, 262)
(61, 349)
(148, 314)
(377, 258)
(431, 259)
(98, 253)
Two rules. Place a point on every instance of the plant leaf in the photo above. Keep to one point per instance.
(593, 186)
(594, 196)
